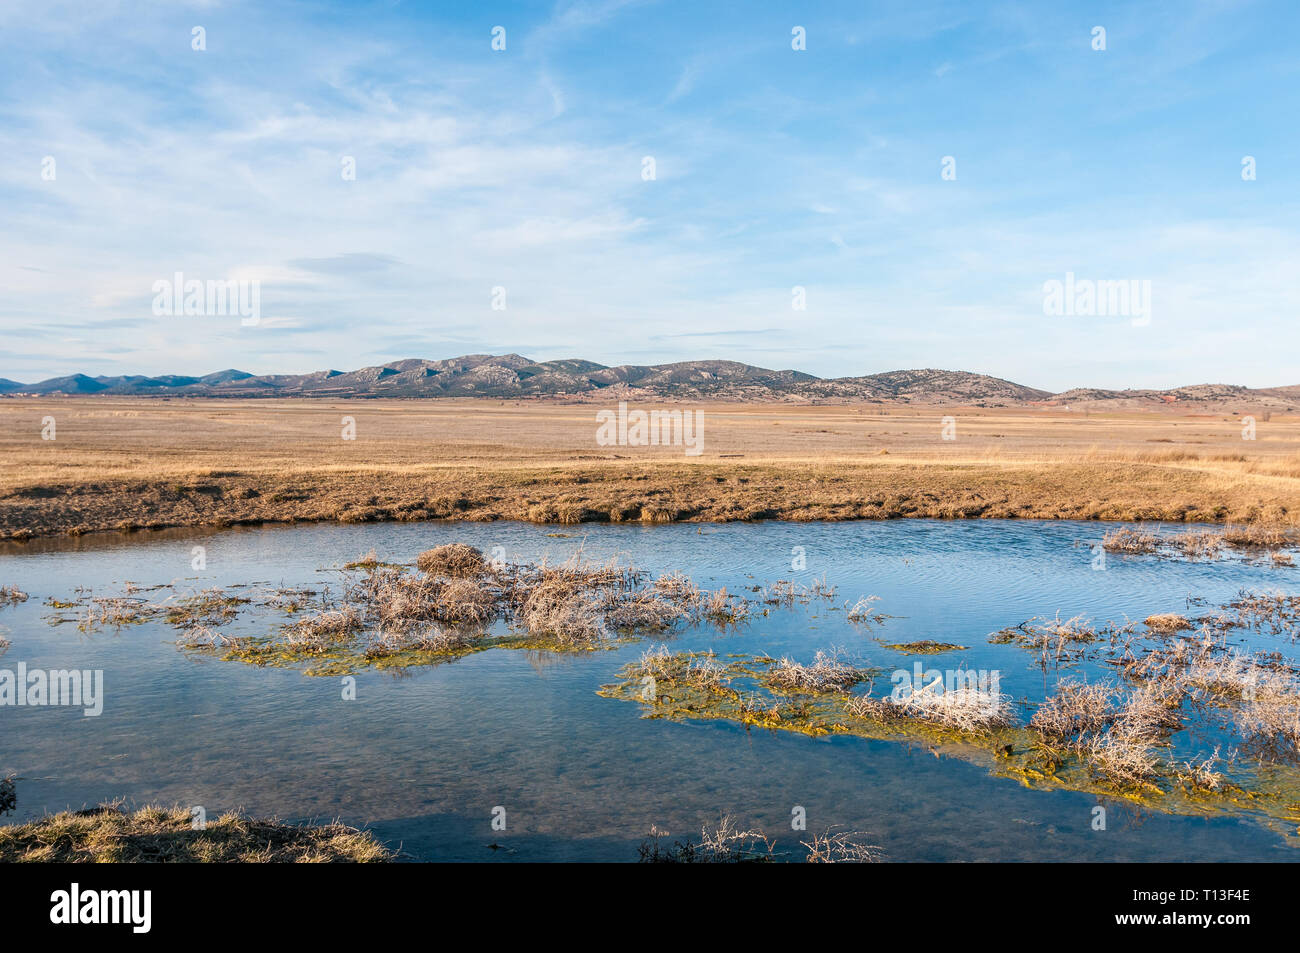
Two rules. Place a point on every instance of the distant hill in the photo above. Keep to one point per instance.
(515, 376)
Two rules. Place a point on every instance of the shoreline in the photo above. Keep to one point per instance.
(647, 494)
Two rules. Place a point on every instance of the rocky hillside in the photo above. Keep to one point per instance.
(515, 376)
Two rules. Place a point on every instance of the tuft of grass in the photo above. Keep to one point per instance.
(1167, 622)
(864, 611)
(11, 595)
(165, 835)
(452, 559)
(1074, 709)
(1130, 541)
(724, 844)
(841, 847)
(826, 674)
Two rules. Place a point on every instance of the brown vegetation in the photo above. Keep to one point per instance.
(137, 464)
(165, 835)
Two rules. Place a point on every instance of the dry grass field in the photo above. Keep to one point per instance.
(133, 463)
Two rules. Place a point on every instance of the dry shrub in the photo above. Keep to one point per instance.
(163, 835)
(725, 844)
(1125, 753)
(842, 847)
(11, 595)
(722, 608)
(1257, 536)
(642, 611)
(1269, 717)
(452, 559)
(864, 612)
(1131, 541)
(1075, 708)
(706, 672)
(1203, 544)
(316, 632)
(826, 674)
(561, 609)
(963, 706)
(1202, 775)
(1167, 622)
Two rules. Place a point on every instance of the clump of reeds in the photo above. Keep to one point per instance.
(826, 674)
(1199, 544)
(1167, 622)
(1074, 709)
(364, 561)
(1275, 612)
(643, 611)
(317, 632)
(841, 847)
(1203, 775)
(209, 607)
(1259, 535)
(722, 608)
(724, 844)
(451, 559)
(116, 611)
(156, 835)
(560, 608)
(864, 611)
(11, 595)
(964, 706)
(1130, 541)
(1125, 752)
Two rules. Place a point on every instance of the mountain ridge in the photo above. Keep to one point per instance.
(515, 376)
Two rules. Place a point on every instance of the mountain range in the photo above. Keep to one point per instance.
(514, 376)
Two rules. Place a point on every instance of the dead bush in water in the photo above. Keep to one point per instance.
(826, 674)
(1130, 541)
(451, 559)
(11, 595)
(1075, 708)
(317, 632)
(841, 847)
(725, 844)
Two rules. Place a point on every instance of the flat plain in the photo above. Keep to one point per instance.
(141, 463)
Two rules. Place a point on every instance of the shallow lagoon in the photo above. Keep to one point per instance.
(424, 756)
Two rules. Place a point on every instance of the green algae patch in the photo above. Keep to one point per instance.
(349, 657)
(923, 647)
(701, 686)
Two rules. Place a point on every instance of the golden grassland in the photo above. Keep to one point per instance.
(132, 463)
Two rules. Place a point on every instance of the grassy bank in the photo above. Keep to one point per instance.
(654, 493)
(151, 464)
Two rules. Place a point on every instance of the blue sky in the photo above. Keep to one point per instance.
(774, 168)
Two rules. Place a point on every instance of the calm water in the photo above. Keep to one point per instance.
(424, 758)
